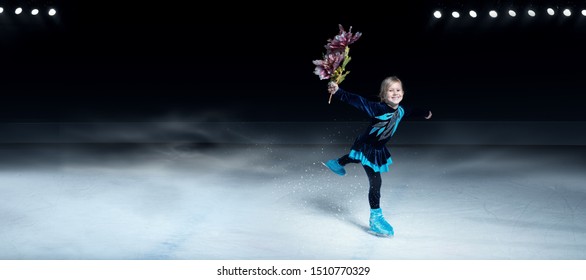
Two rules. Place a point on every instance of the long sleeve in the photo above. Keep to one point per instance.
(372, 108)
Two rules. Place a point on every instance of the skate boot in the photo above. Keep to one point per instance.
(378, 225)
(336, 167)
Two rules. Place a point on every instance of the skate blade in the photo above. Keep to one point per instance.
(378, 234)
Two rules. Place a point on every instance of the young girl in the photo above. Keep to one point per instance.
(369, 148)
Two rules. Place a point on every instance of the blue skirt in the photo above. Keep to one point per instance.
(377, 158)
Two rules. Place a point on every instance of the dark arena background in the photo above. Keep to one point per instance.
(169, 131)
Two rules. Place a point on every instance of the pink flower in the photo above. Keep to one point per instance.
(326, 67)
(342, 40)
(332, 66)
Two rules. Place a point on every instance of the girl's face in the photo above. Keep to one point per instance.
(394, 94)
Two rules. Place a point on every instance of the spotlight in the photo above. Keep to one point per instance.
(584, 13)
(455, 14)
(567, 12)
(18, 11)
(35, 12)
(512, 13)
(531, 13)
(493, 13)
(52, 12)
(1, 10)
(473, 14)
(550, 11)
(437, 14)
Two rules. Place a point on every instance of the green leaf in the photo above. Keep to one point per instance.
(345, 62)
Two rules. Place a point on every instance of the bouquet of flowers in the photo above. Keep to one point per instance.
(333, 64)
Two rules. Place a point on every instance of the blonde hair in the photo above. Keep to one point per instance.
(385, 84)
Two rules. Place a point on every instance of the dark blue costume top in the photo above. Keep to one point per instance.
(370, 146)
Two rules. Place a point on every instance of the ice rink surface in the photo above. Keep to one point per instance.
(189, 201)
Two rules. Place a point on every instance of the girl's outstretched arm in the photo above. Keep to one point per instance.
(355, 100)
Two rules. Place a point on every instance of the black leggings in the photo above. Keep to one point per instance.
(374, 180)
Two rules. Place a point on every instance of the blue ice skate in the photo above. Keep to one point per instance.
(336, 167)
(378, 225)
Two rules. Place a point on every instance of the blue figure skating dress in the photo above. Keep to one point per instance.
(370, 147)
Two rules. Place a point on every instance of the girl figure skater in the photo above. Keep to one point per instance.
(369, 148)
